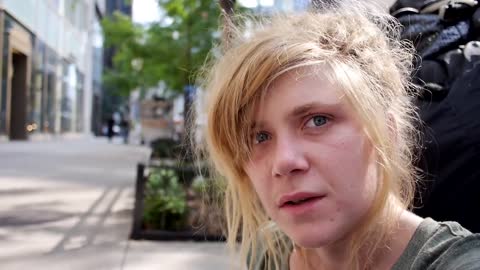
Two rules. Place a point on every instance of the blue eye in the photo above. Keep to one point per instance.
(261, 137)
(317, 121)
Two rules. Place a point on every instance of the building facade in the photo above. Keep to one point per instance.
(50, 66)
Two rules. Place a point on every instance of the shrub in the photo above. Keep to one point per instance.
(165, 201)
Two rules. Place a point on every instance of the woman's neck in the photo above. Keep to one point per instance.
(336, 256)
(407, 225)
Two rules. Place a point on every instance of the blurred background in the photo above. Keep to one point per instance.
(93, 97)
(79, 67)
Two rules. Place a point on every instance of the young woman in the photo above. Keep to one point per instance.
(310, 122)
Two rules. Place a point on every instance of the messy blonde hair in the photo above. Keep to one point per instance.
(362, 53)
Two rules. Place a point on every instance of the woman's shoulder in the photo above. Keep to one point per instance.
(259, 255)
(441, 245)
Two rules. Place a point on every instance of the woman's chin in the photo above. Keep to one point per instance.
(311, 242)
(308, 238)
(315, 234)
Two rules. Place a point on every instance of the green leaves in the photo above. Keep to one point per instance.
(164, 182)
(172, 50)
(123, 36)
(165, 200)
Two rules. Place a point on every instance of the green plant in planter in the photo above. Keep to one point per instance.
(165, 201)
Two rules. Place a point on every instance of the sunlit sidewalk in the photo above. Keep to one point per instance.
(66, 204)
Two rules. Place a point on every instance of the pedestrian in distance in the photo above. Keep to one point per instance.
(110, 128)
(310, 123)
(125, 128)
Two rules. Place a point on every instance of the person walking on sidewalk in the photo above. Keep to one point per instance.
(110, 128)
(125, 129)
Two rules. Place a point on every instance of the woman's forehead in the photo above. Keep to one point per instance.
(299, 92)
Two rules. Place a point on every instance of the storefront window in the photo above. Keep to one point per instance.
(35, 112)
(68, 96)
(3, 90)
(48, 93)
(80, 102)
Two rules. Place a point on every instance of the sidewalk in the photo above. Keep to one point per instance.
(67, 205)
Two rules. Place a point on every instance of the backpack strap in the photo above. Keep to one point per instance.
(433, 7)
(404, 10)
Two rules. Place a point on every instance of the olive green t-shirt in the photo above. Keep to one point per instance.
(440, 246)
(434, 246)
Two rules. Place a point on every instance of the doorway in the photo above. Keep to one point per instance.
(18, 108)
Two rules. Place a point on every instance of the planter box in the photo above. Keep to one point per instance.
(161, 235)
(138, 229)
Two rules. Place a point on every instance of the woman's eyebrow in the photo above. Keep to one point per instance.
(305, 108)
(302, 110)
(257, 125)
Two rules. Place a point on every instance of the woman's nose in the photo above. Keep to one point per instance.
(289, 159)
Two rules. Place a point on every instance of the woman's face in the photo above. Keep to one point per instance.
(311, 165)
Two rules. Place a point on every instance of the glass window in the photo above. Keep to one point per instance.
(80, 103)
(54, 4)
(42, 20)
(48, 94)
(53, 29)
(3, 90)
(38, 67)
(68, 98)
(81, 13)
(76, 13)
(36, 101)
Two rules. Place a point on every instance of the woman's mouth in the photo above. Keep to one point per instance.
(301, 207)
(299, 202)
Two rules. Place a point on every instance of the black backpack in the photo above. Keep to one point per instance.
(445, 35)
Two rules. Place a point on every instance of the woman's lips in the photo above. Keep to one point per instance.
(302, 208)
(298, 198)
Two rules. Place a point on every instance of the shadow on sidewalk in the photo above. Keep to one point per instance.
(46, 234)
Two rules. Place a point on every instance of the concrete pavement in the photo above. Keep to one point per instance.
(66, 204)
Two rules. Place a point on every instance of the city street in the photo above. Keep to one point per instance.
(66, 204)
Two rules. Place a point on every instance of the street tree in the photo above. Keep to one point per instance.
(171, 50)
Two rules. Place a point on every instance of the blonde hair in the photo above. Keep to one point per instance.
(364, 57)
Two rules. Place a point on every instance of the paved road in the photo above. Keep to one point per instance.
(66, 204)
